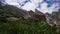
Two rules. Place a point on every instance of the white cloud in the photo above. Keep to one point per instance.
(51, 9)
(33, 4)
(29, 6)
(12, 2)
(37, 1)
(45, 9)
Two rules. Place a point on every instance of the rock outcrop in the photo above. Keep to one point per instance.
(53, 19)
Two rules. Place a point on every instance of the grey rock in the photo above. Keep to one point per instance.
(53, 19)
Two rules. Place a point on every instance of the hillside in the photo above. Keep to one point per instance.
(18, 21)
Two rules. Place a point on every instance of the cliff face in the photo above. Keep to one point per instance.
(37, 15)
(53, 19)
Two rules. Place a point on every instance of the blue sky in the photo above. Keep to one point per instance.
(42, 5)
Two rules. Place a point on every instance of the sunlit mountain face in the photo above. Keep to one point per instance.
(42, 5)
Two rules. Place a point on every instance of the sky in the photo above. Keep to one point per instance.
(42, 5)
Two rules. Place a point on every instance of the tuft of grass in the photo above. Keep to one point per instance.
(30, 26)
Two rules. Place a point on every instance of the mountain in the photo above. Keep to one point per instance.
(10, 11)
(53, 19)
(37, 15)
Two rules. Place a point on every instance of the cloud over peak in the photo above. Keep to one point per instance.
(43, 5)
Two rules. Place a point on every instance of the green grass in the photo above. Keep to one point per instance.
(30, 26)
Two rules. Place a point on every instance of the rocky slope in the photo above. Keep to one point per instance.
(54, 18)
(12, 11)
(9, 11)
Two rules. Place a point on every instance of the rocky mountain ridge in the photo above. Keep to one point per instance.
(12, 11)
